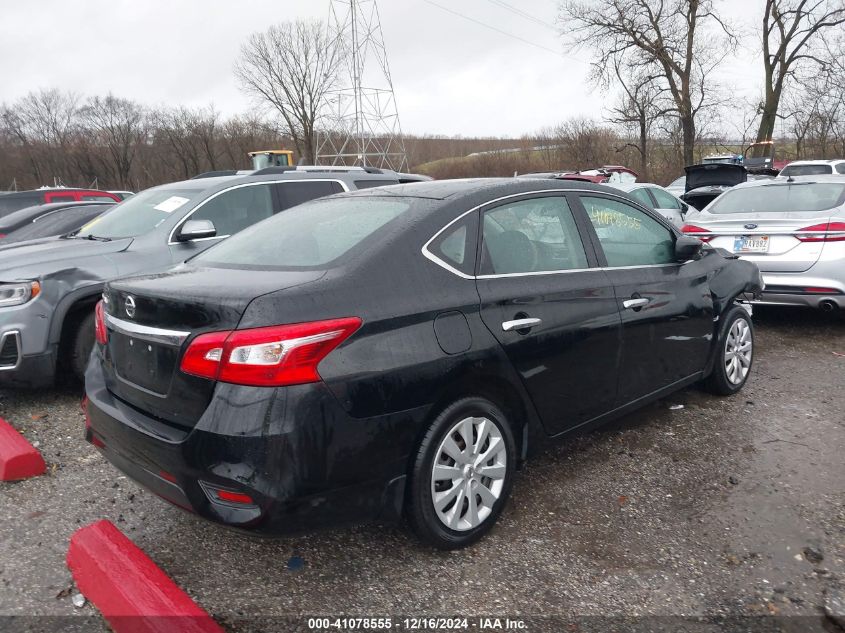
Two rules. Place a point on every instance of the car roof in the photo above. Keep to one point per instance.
(459, 187)
(224, 182)
(820, 161)
(782, 182)
(630, 186)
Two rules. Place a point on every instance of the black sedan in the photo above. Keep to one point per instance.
(399, 351)
(48, 220)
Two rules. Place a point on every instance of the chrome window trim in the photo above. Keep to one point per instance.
(434, 258)
(172, 242)
(146, 332)
(17, 335)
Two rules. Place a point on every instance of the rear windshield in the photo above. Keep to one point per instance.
(139, 214)
(309, 235)
(806, 170)
(796, 197)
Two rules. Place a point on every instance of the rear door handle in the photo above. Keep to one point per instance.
(633, 304)
(520, 324)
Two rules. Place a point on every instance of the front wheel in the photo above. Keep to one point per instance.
(462, 474)
(735, 353)
(81, 345)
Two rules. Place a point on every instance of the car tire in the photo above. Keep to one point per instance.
(480, 486)
(81, 345)
(735, 353)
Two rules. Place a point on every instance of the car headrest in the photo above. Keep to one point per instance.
(511, 252)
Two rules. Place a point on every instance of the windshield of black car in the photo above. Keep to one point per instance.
(806, 170)
(310, 235)
(795, 197)
(139, 214)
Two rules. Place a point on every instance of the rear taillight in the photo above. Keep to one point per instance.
(100, 332)
(267, 356)
(696, 231)
(827, 232)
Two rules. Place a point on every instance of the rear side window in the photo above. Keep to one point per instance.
(456, 246)
(628, 236)
(236, 209)
(840, 168)
(536, 235)
(641, 195)
(294, 193)
(781, 198)
(369, 184)
(665, 200)
(311, 235)
(62, 199)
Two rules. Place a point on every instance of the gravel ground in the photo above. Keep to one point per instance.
(727, 507)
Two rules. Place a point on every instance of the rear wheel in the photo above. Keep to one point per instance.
(81, 345)
(735, 354)
(462, 474)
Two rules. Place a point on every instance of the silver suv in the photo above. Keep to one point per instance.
(793, 229)
(49, 286)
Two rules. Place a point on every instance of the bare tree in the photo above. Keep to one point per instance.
(681, 41)
(290, 67)
(118, 125)
(790, 30)
(641, 102)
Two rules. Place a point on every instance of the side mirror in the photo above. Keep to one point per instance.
(196, 230)
(687, 248)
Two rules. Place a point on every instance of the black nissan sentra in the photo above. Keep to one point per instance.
(400, 351)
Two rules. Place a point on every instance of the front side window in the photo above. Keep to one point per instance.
(628, 236)
(236, 209)
(665, 200)
(139, 214)
(530, 236)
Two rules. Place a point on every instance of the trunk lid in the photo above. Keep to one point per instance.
(713, 174)
(774, 232)
(152, 319)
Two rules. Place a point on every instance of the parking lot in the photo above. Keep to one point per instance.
(725, 507)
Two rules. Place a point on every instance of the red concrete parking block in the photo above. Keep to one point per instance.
(18, 458)
(129, 589)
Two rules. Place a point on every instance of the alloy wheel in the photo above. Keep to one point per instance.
(738, 351)
(468, 473)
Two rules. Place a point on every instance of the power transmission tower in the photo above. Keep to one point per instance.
(360, 121)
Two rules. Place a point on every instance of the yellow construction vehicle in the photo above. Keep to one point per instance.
(271, 158)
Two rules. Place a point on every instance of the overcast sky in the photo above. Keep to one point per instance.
(451, 75)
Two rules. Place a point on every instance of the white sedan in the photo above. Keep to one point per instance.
(656, 197)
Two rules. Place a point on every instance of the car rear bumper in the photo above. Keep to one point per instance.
(301, 460)
(809, 290)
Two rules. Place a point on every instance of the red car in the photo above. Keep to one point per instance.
(605, 174)
(16, 200)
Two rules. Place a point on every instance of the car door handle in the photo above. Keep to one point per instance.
(520, 324)
(633, 304)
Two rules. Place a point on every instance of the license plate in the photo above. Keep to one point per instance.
(751, 244)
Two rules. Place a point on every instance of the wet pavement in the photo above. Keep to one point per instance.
(726, 507)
